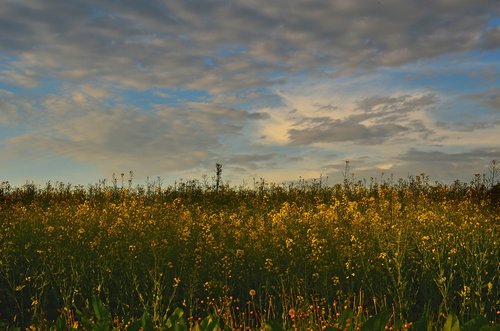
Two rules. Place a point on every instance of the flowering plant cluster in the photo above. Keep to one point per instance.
(274, 253)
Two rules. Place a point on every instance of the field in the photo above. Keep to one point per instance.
(303, 256)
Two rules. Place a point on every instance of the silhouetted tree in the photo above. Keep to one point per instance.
(218, 176)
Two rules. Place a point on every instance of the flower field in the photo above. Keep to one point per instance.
(299, 257)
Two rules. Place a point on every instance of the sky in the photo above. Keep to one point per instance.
(280, 90)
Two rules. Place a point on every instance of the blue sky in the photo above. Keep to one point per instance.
(278, 90)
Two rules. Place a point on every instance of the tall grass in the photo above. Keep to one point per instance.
(298, 253)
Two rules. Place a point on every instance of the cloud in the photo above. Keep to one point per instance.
(401, 105)
(157, 140)
(19, 77)
(448, 166)
(415, 155)
(14, 110)
(244, 163)
(491, 38)
(259, 116)
(373, 122)
(8, 111)
(122, 139)
(165, 44)
(338, 131)
(436, 162)
(283, 83)
(491, 97)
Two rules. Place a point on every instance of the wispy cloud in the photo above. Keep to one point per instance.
(490, 97)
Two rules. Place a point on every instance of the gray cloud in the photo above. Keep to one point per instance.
(400, 105)
(491, 97)
(246, 162)
(259, 116)
(463, 126)
(437, 164)
(19, 77)
(485, 154)
(245, 158)
(445, 166)
(491, 38)
(14, 109)
(8, 114)
(388, 114)
(8, 111)
(166, 43)
(338, 131)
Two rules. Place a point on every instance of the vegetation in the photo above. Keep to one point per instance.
(405, 254)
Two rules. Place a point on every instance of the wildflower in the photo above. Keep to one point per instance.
(465, 292)
(177, 282)
(268, 265)
(252, 292)
(441, 280)
(489, 286)
(240, 253)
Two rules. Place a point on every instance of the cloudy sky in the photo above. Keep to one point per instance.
(276, 89)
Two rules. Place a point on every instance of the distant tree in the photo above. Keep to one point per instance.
(218, 176)
(494, 173)
(494, 195)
